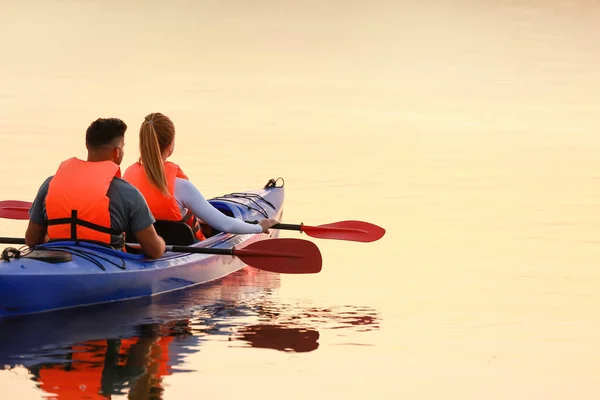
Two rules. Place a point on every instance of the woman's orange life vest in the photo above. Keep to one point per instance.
(77, 203)
(164, 208)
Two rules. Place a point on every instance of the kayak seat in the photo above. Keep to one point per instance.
(173, 232)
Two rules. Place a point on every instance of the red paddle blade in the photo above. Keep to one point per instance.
(14, 209)
(286, 256)
(357, 231)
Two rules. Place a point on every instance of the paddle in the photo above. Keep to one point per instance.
(286, 256)
(14, 209)
(357, 231)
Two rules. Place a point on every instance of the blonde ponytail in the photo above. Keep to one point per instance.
(151, 157)
(157, 133)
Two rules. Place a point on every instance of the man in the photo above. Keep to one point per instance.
(88, 200)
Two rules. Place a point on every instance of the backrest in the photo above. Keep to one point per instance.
(173, 232)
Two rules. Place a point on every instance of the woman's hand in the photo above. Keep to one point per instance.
(265, 224)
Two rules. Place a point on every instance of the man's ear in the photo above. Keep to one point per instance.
(115, 154)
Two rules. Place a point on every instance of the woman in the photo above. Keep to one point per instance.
(168, 192)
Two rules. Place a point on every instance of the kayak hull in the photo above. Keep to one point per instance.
(21, 342)
(97, 274)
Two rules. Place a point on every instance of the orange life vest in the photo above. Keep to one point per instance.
(77, 204)
(85, 376)
(164, 208)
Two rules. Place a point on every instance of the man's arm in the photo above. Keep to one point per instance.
(140, 221)
(152, 245)
(35, 234)
(37, 230)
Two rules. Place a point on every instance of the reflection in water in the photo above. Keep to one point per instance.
(344, 317)
(100, 368)
(292, 328)
(280, 338)
(130, 347)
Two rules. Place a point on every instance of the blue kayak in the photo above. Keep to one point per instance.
(95, 274)
(21, 343)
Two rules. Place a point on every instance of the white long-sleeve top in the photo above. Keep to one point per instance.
(189, 198)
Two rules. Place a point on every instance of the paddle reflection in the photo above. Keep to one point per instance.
(280, 338)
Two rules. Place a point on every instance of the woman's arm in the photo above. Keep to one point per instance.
(191, 198)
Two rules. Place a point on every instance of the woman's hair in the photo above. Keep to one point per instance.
(156, 134)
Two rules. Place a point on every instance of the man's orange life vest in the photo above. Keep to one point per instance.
(77, 203)
(164, 208)
(88, 373)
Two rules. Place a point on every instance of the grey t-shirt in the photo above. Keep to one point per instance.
(129, 211)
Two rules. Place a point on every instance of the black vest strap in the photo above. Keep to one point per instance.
(195, 225)
(74, 221)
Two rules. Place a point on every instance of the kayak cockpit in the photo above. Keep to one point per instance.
(181, 234)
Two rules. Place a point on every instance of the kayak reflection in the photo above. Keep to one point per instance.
(126, 347)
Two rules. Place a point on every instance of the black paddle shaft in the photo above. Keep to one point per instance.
(289, 227)
(201, 250)
(9, 240)
(177, 249)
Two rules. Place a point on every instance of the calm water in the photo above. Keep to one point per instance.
(469, 130)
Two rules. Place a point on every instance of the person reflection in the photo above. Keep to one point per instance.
(102, 368)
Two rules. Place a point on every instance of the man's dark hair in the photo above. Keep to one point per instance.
(104, 131)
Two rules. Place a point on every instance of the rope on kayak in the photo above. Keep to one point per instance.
(35, 253)
(23, 252)
(10, 252)
(91, 257)
(272, 183)
(248, 196)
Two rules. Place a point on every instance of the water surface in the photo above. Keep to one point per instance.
(468, 130)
